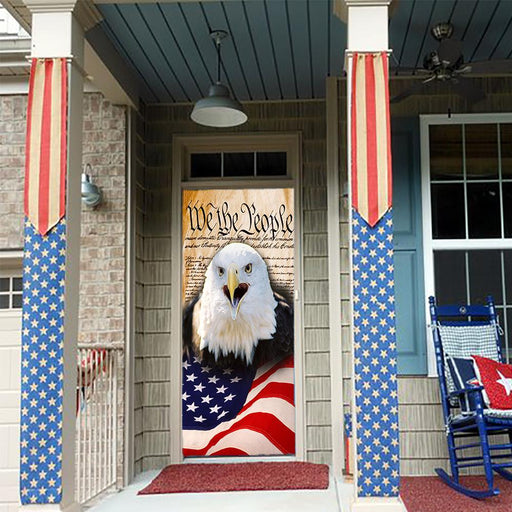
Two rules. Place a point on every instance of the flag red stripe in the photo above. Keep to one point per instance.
(63, 137)
(232, 451)
(388, 129)
(44, 168)
(371, 141)
(29, 132)
(285, 363)
(264, 423)
(281, 390)
(353, 147)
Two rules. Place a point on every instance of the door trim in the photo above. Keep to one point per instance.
(182, 147)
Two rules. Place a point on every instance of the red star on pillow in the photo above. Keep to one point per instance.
(496, 378)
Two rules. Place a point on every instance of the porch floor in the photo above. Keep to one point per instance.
(336, 498)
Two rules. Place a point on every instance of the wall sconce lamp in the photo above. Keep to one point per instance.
(91, 194)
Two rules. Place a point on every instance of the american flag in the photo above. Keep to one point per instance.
(238, 412)
(370, 136)
(46, 144)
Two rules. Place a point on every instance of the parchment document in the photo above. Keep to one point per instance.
(263, 219)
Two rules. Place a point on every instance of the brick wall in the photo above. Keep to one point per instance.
(102, 278)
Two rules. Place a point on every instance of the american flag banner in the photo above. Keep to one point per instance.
(238, 412)
(42, 376)
(375, 358)
(370, 136)
(46, 144)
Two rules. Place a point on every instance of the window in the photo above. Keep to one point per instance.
(238, 164)
(10, 291)
(467, 188)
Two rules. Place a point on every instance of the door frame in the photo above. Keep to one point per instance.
(183, 146)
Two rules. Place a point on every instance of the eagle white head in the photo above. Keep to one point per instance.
(237, 304)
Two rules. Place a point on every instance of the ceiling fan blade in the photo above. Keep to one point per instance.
(491, 67)
(465, 88)
(402, 71)
(415, 89)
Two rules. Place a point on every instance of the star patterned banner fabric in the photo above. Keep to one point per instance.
(375, 358)
(370, 136)
(42, 365)
(46, 143)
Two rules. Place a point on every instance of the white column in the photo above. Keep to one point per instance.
(57, 33)
(368, 33)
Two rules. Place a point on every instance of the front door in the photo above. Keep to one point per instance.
(238, 282)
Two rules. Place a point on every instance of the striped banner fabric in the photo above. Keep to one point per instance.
(370, 136)
(46, 151)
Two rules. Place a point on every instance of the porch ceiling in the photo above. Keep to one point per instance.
(277, 49)
(282, 49)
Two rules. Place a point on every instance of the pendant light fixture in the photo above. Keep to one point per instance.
(218, 109)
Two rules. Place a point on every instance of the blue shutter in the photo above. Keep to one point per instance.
(408, 246)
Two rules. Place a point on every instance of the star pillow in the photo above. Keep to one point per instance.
(496, 379)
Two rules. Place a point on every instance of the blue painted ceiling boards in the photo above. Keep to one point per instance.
(281, 49)
(277, 49)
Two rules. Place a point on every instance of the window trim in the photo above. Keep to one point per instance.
(11, 262)
(429, 244)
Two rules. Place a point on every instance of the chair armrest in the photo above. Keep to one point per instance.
(469, 389)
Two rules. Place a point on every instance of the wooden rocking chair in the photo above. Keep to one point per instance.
(460, 332)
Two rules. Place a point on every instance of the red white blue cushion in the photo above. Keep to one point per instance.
(496, 378)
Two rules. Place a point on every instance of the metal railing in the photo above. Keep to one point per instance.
(96, 420)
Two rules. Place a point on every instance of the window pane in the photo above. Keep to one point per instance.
(507, 208)
(481, 143)
(205, 165)
(238, 164)
(485, 276)
(450, 277)
(446, 152)
(4, 301)
(16, 300)
(17, 284)
(484, 210)
(271, 164)
(4, 284)
(448, 211)
(506, 150)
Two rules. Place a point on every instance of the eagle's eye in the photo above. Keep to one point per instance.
(248, 268)
(220, 271)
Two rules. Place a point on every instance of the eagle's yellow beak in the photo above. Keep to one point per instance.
(235, 290)
(233, 283)
(233, 280)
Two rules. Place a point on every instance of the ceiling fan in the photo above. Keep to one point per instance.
(446, 65)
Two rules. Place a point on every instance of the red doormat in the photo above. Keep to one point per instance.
(250, 476)
(430, 494)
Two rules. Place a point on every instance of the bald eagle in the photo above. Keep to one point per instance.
(237, 320)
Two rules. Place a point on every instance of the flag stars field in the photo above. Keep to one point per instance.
(42, 365)
(374, 358)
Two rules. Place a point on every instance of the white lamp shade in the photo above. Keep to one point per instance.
(218, 109)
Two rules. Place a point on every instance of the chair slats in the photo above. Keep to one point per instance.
(477, 326)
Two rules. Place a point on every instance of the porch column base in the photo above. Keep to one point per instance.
(378, 505)
(57, 507)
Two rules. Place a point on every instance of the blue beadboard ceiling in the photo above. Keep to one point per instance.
(281, 49)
